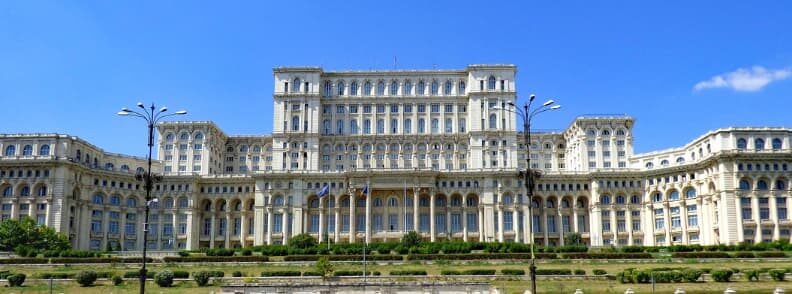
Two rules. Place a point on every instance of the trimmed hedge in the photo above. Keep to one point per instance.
(220, 252)
(343, 257)
(354, 273)
(480, 256)
(257, 258)
(479, 272)
(311, 274)
(408, 273)
(777, 274)
(700, 255)
(281, 274)
(450, 273)
(579, 272)
(513, 272)
(553, 272)
(770, 254)
(593, 255)
(181, 274)
(600, 272)
(24, 260)
(743, 255)
(721, 275)
(136, 275)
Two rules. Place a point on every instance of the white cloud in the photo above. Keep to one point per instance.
(745, 79)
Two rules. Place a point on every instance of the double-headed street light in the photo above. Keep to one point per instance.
(530, 175)
(152, 116)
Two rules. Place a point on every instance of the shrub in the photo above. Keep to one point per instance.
(201, 278)
(593, 255)
(777, 274)
(450, 273)
(408, 273)
(691, 275)
(553, 272)
(752, 275)
(700, 254)
(580, 272)
(599, 272)
(184, 253)
(479, 272)
(117, 280)
(722, 275)
(256, 258)
(220, 252)
(247, 252)
(55, 275)
(181, 274)
(236, 274)
(136, 274)
(324, 267)
(311, 274)
(743, 255)
(354, 273)
(86, 278)
(302, 241)
(632, 249)
(16, 280)
(281, 274)
(770, 254)
(513, 272)
(25, 251)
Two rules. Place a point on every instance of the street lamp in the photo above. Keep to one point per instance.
(530, 175)
(152, 116)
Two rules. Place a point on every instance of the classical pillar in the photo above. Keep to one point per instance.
(574, 220)
(193, 232)
(774, 216)
(227, 232)
(243, 227)
(683, 221)
(546, 227)
(432, 231)
(480, 223)
(270, 218)
(560, 222)
(628, 225)
(368, 217)
(285, 226)
(499, 206)
(464, 219)
(416, 200)
(213, 230)
(321, 221)
(352, 228)
(337, 223)
(105, 226)
(757, 218)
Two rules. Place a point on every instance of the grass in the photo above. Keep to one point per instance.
(506, 284)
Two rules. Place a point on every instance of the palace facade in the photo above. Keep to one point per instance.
(434, 151)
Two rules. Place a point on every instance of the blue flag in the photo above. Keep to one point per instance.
(365, 190)
(324, 191)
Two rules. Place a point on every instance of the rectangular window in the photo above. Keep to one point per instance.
(424, 222)
(472, 222)
(508, 220)
(408, 222)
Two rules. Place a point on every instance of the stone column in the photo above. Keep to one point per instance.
(352, 227)
(105, 226)
(337, 224)
(774, 216)
(213, 231)
(270, 218)
(321, 221)
(628, 225)
(667, 218)
(683, 221)
(757, 219)
(481, 222)
(415, 210)
(285, 226)
(368, 217)
(464, 219)
(432, 236)
(227, 231)
(560, 222)
(574, 220)
(499, 207)
(546, 227)
(243, 227)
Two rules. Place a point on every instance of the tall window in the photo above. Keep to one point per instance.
(367, 88)
(380, 88)
(435, 126)
(449, 125)
(328, 89)
(493, 121)
(353, 88)
(367, 126)
(434, 88)
(491, 83)
(340, 88)
(394, 88)
(295, 123)
(461, 87)
(421, 88)
(27, 150)
(407, 126)
(353, 126)
(462, 125)
(11, 151)
(296, 85)
(421, 126)
(742, 144)
(44, 150)
(759, 144)
(394, 126)
(340, 127)
(407, 88)
(447, 88)
(380, 126)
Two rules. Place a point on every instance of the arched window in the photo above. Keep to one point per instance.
(619, 132)
(314, 203)
(394, 88)
(367, 88)
(448, 87)
(674, 195)
(340, 127)
(761, 185)
(27, 150)
(353, 88)
(44, 150)
(11, 151)
(377, 202)
(620, 199)
(42, 191)
(25, 191)
(109, 166)
(456, 201)
(649, 165)
(461, 88)
(471, 202)
(131, 202)
(169, 138)
(295, 123)
(421, 126)
(745, 185)
(507, 200)
(8, 191)
(296, 85)
(183, 202)
(462, 125)
(690, 193)
(278, 201)
(440, 201)
(742, 144)
(353, 126)
(491, 83)
(657, 197)
(535, 203)
(115, 200)
(407, 88)
(407, 126)
(776, 144)
(680, 160)
(184, 136)
(635, 199)
(140, 170)
(328, 89)
(380, 88)
(435, 126)
(664, 163)
(493, 121)
(256, 148)
(780, 185)
(367, 126)
(565, 203)
(434, 88)
(605, 132)
(340, 87)
(98, 199)
(380, 126)
(326, 126)
(759, 144)
(605, 199)
(421, 89)
(393, 202)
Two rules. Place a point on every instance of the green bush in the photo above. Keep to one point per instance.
(184, 253)
(743, 255)
(599, 272)
(55, 275)
(311, 274)
(354, 273)
(777, 274)
(86, 278)
(479, 272)
(181, 274)
(16, 280)
(691, 275)
(593, 255)
(136, 274)
(236, 274)
(553, 272)
(164, 278)
(579, 272)
(752, 275)
(408, 273)
(220, 252)
(770, 254)
(201, 278)
(513, 272)
(700, 254)
(247, 252)
(302, 241)
(721, 275)
(117, 280)
(256, 258)
(450, 273)
(281, 274)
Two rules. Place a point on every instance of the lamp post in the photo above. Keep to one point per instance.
(530, 175)
(152, 117)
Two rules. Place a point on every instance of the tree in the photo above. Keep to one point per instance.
(411, 239)
(302, 241)
(26, 232)
(324, 267)
(573, 239)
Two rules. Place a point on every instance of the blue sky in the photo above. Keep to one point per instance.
(680, 68)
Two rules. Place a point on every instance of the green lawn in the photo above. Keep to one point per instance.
(506, 284)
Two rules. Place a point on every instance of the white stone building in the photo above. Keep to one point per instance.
(439, 153)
